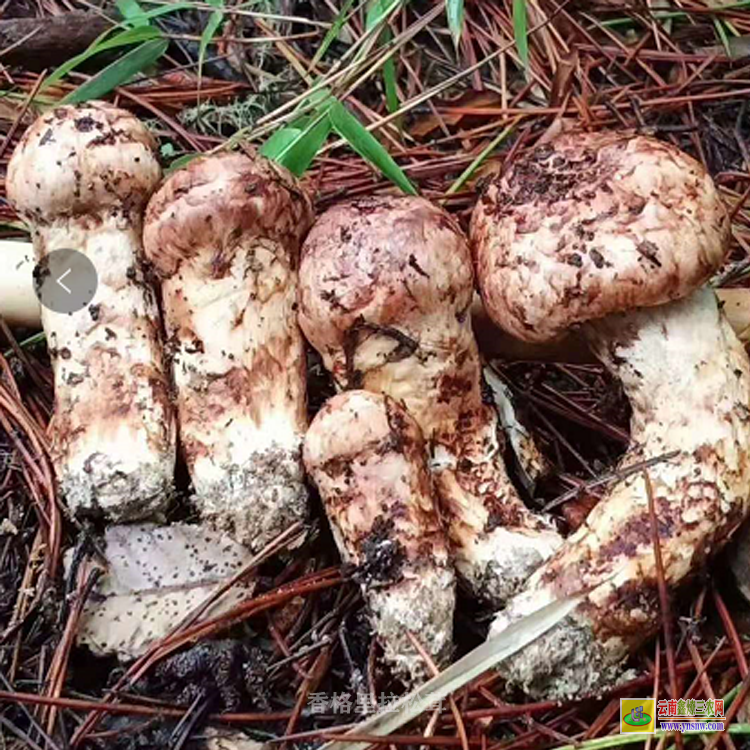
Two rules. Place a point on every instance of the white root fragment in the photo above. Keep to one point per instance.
(81, 178)
(367, 457)
(531, 461)
(385, 290)
(223, 235)
(580, 232)
(18, 303)
(155, 577)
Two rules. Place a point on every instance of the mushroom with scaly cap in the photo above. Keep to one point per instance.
(385, 289)
(81, 178)
(223, 235)
(367, 457)
(616, 233)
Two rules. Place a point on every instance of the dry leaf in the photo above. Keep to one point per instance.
(156, 576)
(425, 125)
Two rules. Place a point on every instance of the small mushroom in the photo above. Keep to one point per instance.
(385, 290)
(367, 457)
(81, 178)
(223, 235)
(616, 233)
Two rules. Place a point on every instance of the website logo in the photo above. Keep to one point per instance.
(637, 715)
(684, 715)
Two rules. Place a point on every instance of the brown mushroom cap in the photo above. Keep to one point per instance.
(80, 160)
(215, 203)
(340, 287)
(592, 224)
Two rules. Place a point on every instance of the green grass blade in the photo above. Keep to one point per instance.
(377, 12)
(319, 98)
(367, 146)
(212, 26)
(467, 668)
(296, 146)
(166, 10)
(732, 28)
(133, 14)
(28, 343)
(119, 72)
(454, 10)
(279, 141)
(101, 44)
(521, 31)
(469, 171)
(180, 162)
(721, 32)
(389, 81)
(333, 33)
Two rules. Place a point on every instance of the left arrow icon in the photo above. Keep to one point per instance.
(65, 281)
(59, 281)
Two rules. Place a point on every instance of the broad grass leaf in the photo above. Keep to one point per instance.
(101, 44)
(295, 146)
(367, 146)
(119, 72)
(454, 10)
(521, 31)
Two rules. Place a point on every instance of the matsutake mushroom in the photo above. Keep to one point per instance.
(367, 457)
(385, 289)
(223, 235)
(81, 178)
(615, 233)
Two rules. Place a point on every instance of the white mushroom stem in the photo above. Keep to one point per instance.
(688, 380)
(224, 235)
(367, 456)
(81, 178)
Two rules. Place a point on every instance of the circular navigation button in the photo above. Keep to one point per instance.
(65, 281)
